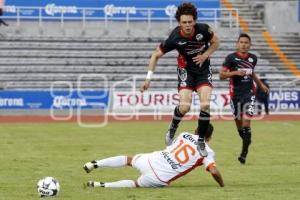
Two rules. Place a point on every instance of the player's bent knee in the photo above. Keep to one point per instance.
(184, 109)
(129, 160)
(136, 184)
(205, 108)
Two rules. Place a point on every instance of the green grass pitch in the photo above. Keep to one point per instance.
(32, 151)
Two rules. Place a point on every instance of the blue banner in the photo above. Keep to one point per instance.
(60, 99)
(284, 100)
(102, 3)
(114, 9)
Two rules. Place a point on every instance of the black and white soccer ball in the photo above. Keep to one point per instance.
(48, 187)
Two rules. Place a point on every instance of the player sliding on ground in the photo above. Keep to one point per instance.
(160, 168)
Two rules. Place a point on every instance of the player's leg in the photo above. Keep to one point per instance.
(147, 178)
(266, 105)
(118, 161)
(259, 107)
(237, 111)
(248, 109)
(239, 127)
(180, 110)
(115, 184)
(246, 140)
(204, 93)
(112, 162)
(235, 105)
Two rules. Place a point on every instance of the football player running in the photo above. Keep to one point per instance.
(239, 68)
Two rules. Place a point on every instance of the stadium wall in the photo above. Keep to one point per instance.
(128, 102)
(102, 3)
(101, 9)
(283, 16)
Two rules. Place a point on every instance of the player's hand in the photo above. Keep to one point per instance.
(200, 58)
(264, 88)
(240, 73)
(145, 85)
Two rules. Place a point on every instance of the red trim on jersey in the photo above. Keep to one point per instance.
(241, 115)
(181, 61)
(155, 173)
(189, 37)
(196, 88)
(231, 87)
(247, 115)
(186, 87)
(225, 67)
(242, 56)
(236, 117)
(253, 88)
(162, 50)
(202, 85)
(198, 163)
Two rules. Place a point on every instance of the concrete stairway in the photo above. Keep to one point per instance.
(289, 43)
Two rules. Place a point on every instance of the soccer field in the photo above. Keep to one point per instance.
(32, 151)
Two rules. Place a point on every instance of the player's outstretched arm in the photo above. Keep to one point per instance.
(151, 68)
(214, 45)
(216, 175)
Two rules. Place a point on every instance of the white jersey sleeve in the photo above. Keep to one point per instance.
(210, 159)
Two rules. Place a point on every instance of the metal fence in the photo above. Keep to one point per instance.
(216, 16)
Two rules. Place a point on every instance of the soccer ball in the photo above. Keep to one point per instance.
(48, 187)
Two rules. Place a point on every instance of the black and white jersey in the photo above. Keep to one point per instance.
(190, 47)
(241, 86)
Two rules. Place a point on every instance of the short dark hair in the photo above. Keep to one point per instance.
(244, 35)
(186, 9)
(209, 131)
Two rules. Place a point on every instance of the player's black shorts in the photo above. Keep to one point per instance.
(243, 105)
(190, 80)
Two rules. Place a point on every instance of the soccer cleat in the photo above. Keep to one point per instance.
(242, 160)
(90, 184)
(201, 149)
(170, 135)
(95, 184)
(89, 166)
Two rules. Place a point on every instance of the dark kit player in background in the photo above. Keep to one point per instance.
(239, 68)
(2, 4)
(262, 98)
(195, 42)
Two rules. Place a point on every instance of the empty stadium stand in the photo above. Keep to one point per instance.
(40, 62)
(289, 43)
(56, 59)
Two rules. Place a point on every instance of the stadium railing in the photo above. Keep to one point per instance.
(214, 15)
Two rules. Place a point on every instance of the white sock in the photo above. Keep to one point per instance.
(117, 161)
(121, 184)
